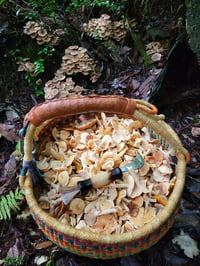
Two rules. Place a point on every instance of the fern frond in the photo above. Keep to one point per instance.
(6, 208)
(3, 212)
(14, 260)
(19, 194)
(12, 203)
(9, 202)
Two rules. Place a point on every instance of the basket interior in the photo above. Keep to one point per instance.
(43, 135)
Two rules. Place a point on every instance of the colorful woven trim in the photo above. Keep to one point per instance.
(104, 251)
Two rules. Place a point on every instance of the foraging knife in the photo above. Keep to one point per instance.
(100, 180)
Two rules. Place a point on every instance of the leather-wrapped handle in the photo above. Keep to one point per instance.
(80, 104)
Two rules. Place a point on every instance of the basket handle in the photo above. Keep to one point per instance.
(81, 104)
(146, 107)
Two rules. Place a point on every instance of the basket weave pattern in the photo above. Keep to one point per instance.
(42, 117)
(98, 251)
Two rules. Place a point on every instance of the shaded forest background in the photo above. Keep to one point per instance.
(153, 55)
(145, 22)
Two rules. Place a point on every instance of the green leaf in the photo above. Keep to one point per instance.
(18, 146)
(12, 194)
(17, 12)
(18, 194)
(14, 260)
(12, 202)
(5, 209)
(9, 202)
(1, 214)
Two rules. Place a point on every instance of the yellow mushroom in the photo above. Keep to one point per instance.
(103, 204)
(77, 205)
(121, 195)
(63, 178)
(43, 165)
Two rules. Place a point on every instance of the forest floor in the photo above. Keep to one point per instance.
(21, 236)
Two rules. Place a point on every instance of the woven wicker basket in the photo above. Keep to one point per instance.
(91, 244)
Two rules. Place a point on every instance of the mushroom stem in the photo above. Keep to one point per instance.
(160, 200)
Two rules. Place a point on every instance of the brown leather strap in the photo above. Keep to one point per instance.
(80, 104)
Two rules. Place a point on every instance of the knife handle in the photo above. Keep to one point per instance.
(100, 180)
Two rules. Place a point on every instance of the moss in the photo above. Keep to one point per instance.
(193, 25)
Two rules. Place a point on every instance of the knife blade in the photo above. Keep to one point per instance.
(101, 179)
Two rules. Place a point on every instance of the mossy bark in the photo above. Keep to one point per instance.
(193, 25)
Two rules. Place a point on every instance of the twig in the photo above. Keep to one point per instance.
(187, 126)
(34, 99)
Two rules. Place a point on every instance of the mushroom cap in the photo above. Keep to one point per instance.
(40, 41)
(60, 76)
(42, 32)
(29, 66)
(51, 93)
(37, 30)
(63, 178)
(21, 68)
(76, 60)
(59, 32)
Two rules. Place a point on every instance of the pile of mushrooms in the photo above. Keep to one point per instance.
(26, 65)
(60, 87)
(87, 146)
(104, 28)
(99, 27)
(37, 31)
(155, 51)
(76, 60)
(119, 30)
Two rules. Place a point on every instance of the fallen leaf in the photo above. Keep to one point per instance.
(24, 214)
(124, 50)
(8, 132)
(134, 85)
(12, 115)
(156, 57)
(187, 244)
(10, 168)
(17, 249)
(39, 260)
(145, 86)
(44, 244)
(5, 185)
(195, 131)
